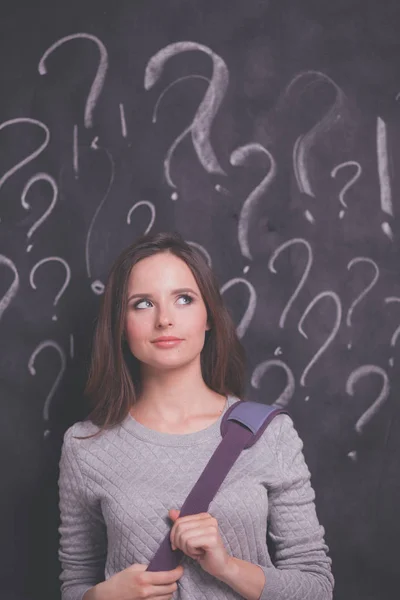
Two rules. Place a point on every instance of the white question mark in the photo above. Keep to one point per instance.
(271, 267)
(356, 176)
(98, 81)
(383, 174)
(150, 205)
(239, 157)
(32, 370)
(368, 288)
(202, 250)
(336, 300)
(67, 276)
(263, 367)
(209, 106)
(26, 205)
(251, 307)
(31, 156)
(389, 300)
(97, 286)
(304, 143)
(96, 87)
(13, 289)
(181, 136)
(354, 377)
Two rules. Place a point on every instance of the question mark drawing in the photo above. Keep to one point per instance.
(265, 366)
(152, 209)
(382, 154)
(390, 300)
(338, 305)
(354, 377)
(97, 286)
(26, 205)
(31, 366)
(239, 157)
(31, 156)
(368, 288)
(209, 106)
(181, 136)
(350, 183)
(251, 307)
(67, 277)
(13, 289)
(96, 87)
(304, 143)
(303, 279)
(202, 250)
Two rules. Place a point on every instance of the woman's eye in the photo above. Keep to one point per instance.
(186, 297)
(138, 304)
(141, 304)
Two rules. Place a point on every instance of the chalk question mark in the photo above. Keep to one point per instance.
(368, 288)
(271, 266)
(31, 366)
(97, 286)
(152, 209)
(251, 306)
(304, 143)
(31, 156)
(338, 305)
(390, 300)
(354, 377)
(27, 206)
(265, 366)
(181, 136)
(202, 250)
(65, 284)
(13, 289)
(209, 106)
(239, 157)
(96, 87)
(350, 183)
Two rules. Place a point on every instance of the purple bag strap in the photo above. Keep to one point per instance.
(241, 426)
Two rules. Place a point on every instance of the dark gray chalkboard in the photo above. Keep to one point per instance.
(267, 133)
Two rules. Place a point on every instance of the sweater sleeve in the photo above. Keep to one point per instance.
(302, 568)
(82, 549)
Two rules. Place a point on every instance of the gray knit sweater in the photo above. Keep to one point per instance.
(116, 490)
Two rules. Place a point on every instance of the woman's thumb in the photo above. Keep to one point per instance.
(138, 567)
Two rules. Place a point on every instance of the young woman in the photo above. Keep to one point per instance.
(166, 365)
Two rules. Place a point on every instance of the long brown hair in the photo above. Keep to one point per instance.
(114, 376)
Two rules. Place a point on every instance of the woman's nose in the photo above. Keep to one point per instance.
(163, 319)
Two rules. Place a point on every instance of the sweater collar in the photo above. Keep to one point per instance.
(212, 432)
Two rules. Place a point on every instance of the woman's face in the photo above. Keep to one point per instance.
(164, 300)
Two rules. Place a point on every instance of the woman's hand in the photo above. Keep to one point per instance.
(198, 537)
(134, 583)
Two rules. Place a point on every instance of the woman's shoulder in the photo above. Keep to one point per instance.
(81, 429)
(279, 431)
(86, 433)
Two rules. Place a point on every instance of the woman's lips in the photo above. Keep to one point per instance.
(167, 343)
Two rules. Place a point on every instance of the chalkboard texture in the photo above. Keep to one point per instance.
(267, 134)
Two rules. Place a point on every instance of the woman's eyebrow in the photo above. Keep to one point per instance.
(173, 292)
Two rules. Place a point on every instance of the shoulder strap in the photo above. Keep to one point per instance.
(253, 415)
(241, 426)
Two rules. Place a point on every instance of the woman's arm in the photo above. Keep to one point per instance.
(83, 539)
(302, 568)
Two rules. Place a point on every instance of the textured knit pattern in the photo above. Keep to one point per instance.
(116, 490)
